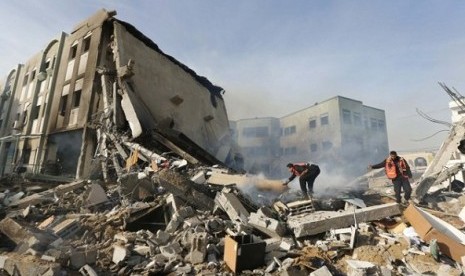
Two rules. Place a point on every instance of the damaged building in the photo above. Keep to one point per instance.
(333, 132)
(170, 199)
(106, 81)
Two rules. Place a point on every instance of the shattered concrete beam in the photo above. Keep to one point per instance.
(232, 206)
(319, 222)
(426, 183)
(18, 233)
(48, 194)
(184, 189)
(175, 148)
(146, 152)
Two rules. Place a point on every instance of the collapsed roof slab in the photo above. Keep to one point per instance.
(48, 194)
(319, 222)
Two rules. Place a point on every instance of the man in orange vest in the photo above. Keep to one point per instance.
(398, 170)
(307, 174)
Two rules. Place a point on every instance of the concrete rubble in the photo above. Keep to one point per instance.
(178, 225)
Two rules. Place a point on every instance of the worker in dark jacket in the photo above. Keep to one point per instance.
(398, 170)
(307, 174)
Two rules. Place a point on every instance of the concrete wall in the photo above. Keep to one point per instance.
(172, 96)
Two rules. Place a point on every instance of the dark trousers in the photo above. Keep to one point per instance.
(399, 184)
(307, 181)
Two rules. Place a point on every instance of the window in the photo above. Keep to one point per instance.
(76, 98)
(357, 119)
(324, 119)
(33, 75)
(255, 132)
(381, 125)
(327, 145)
(26, 77)
(346, 118)
(289, 130)
(374, 124)
(313, 147)
(73, 52)
(312, 123)
(35, 112)
(63, 103)
(24, 117)
(86, 43)
(47, 64)
(290, 151)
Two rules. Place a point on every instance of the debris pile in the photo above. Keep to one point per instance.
(169, 217)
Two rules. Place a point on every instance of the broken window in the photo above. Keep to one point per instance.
(73, 52)
(35, 112)
(24, 117)
(346, 116)
(25, 79)
(86, 44)
(63, 103)
(312, 123)
(324, 119)
(76, 98)
(33, 75)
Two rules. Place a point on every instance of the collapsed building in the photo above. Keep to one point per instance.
(101, 84)
(168, 198)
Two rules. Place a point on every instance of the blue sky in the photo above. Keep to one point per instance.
(276, 57)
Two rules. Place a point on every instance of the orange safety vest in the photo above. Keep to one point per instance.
(296, 172)
(390, 168)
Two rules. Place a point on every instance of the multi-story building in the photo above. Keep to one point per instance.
(106, 82)
(338, 133)
(30, 108)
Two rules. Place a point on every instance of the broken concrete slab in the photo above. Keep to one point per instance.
(67, 228)
(319, 222)
(185, 189)
(48, 194)
(120, 253)
(268, 225)
(136, 188)
(359, 268)
(232, 206)
(322, 271)
(97, 195)
(22, 234)
(198, 250)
